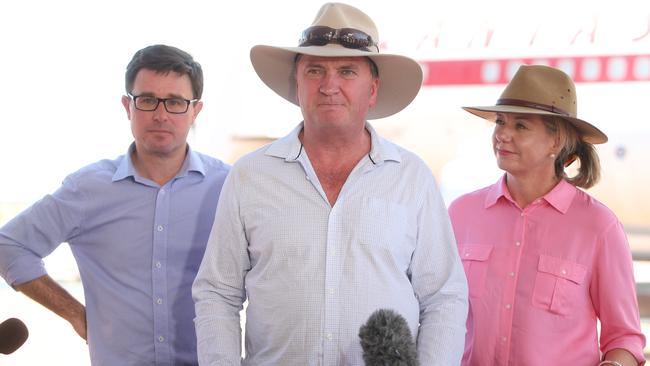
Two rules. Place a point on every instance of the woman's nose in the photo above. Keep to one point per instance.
(501, 133)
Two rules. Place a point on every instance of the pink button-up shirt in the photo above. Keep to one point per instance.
(541, 277)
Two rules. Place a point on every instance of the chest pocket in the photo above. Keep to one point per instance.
(386, 226)
(557, 284)
(475, 262)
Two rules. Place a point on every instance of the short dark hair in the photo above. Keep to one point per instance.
(163, 59)
(374, 70)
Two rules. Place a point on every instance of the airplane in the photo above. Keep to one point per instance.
(467, 59)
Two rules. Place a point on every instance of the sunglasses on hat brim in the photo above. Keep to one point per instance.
(347, 37)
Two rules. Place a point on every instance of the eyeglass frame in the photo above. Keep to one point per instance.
(336, 37)
(164, 102)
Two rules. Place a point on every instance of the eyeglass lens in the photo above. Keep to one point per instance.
(172, 105)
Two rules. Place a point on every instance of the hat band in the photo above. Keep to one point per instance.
(524, 103)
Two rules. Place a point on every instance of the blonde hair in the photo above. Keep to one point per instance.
(573, 147)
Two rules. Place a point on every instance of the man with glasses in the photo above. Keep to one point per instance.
(327, 225)
(137, 225)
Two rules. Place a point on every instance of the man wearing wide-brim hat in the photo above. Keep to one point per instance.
(322, 227)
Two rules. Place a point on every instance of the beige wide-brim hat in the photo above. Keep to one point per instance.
(400, 77)
(542, 90)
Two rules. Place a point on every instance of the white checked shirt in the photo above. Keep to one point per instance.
(314, 273)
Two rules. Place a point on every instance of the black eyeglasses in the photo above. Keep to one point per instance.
(149, 103)
(319, 35)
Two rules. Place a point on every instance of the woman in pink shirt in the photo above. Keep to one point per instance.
(544, 260)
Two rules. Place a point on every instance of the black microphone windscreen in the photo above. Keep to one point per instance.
(386, 340)
(13, 333)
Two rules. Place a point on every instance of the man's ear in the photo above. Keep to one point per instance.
(126, 102)
(374, 89)
(197, 108)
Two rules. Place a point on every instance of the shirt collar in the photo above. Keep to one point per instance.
(290, 148)
(560, 197)
(496, 191)
(192, 163)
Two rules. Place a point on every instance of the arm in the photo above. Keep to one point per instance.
(613, 294)
(50, 294)
(33, 235)
(439, 282)
(621, 356)
(218, 289)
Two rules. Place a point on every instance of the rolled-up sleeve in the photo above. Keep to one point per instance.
(37, 231)
(613, 294)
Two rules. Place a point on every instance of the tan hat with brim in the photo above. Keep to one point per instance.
(542, 90)
(400, 77)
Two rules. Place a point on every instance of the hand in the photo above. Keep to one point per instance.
(78, 323)
(50, 294)
(622, 356)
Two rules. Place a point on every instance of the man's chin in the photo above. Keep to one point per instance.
(158, 150)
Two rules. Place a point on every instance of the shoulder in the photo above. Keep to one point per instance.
(102, 170)
(407, 159)
(254, 160)
(212, 165)
(596, 212)
(470, 201)
(95, 177)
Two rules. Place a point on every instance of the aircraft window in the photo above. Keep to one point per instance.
(620, 151)
(591, 69)
(616, 68)
(512, 68)
(567, 65)
(490, 71)
(642, 68)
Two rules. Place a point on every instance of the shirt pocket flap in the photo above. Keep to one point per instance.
(475, 252)
(569, 270)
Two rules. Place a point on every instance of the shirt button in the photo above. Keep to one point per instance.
(330, 291)
(518, 243)
(511, 274)
(160, 228)
(508, 306)
(159, 301)
(503, 339)
(307, 177)
(328, 336)
(162, 191)
(564, 271)
(158, 265)
(161, 339)
(521, 214)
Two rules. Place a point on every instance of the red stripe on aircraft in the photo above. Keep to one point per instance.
(583, 69)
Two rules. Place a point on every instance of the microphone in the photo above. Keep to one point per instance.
(386, 340)
(13, 333)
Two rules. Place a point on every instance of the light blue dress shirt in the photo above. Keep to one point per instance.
(313, 273)
(138, 246)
